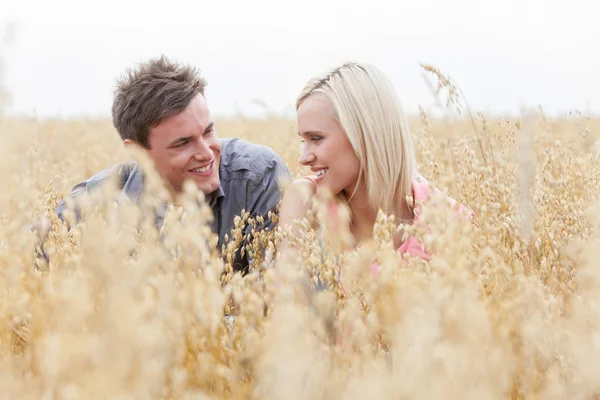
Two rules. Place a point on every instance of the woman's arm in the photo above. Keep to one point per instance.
(296, 201)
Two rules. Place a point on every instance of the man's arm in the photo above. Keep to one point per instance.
(263, 197)
(42, 226)
(128, 180)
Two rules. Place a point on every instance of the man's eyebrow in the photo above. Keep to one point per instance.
(179, 140)
(186, 138)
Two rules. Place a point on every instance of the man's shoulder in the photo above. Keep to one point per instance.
(123, 171)
(128, 175)
(256, 159)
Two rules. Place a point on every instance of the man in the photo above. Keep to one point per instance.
(160, 107)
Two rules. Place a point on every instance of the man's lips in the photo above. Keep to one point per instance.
(206, 169)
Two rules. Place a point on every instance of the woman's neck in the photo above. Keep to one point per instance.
(364, 217)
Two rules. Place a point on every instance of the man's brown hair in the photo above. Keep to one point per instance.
(150, 93)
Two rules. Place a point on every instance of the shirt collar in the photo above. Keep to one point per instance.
(211, 200)
(212, 197)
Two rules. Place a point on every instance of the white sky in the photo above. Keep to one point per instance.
(503, 54)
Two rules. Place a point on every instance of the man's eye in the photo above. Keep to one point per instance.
(181, 144)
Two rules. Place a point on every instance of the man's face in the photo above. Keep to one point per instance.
(186, 146)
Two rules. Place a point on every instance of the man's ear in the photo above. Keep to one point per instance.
(130, 144)
(134, 147)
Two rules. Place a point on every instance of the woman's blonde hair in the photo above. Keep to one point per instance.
(369, 111)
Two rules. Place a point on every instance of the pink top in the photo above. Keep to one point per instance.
(421, 190)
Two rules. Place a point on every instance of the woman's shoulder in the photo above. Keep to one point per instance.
(423, 190)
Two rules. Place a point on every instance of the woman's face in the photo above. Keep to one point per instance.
(325, 146)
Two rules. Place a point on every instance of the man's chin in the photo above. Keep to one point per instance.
(208, 187)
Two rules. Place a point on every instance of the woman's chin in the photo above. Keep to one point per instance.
(326, 190)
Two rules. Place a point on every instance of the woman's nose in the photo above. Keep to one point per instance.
(306, 158)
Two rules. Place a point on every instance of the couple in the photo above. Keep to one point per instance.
(354, 133)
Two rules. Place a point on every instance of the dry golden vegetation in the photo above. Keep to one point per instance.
(508, 310)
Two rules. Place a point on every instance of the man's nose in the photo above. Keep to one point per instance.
(203, 151)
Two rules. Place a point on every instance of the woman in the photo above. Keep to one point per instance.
(357, 143)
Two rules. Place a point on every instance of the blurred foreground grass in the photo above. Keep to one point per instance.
(505, 311)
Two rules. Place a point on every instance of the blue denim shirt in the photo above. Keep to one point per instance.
(251, 178)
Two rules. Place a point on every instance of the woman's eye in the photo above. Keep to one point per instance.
(313, 139)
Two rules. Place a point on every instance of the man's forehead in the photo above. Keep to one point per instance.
(184, 124)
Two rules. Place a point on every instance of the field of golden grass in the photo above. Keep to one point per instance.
(508, 310)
